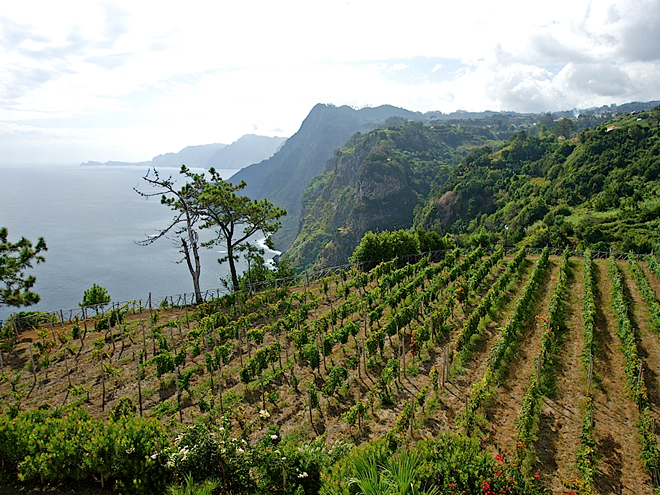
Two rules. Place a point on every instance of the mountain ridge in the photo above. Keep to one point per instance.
(248, 149)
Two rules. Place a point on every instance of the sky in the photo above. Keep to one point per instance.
(128, 80)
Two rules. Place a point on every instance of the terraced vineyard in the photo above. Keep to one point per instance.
(551, 361)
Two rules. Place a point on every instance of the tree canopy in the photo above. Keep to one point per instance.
(182, 230)
(235, 218)
(212, 204)
(95, 296)
(15, 258)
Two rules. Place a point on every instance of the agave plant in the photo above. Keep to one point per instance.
(397, 477)
(190, 488)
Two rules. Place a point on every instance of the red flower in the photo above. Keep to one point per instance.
(536, 474)
(499, 458)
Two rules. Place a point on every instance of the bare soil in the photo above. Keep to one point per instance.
(73, 373)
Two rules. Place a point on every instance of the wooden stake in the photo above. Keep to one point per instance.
(139, 380)
(103, 384)
(467, 419)
(34, 369)
(178, 395)
(66, 364)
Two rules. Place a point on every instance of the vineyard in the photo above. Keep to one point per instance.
(549, 362)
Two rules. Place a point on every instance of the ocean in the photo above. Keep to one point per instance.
(91, 218)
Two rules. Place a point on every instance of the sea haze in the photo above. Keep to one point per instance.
(90, 218)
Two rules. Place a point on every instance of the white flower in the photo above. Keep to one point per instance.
(154, 456)
(303, 474)
(240, 450)
(284, 458)
(264, 414)
(273, 437)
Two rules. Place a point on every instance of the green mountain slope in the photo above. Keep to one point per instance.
(283, 177)
(598, 188)
(376, 182)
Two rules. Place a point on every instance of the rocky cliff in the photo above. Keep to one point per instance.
(282, 178)
(373, 183)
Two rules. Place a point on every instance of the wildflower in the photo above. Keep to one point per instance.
(499, 458)
(240, 451)
(153, 456)
(273, 437)
(303, 474)
(264, 414)
(536, 474)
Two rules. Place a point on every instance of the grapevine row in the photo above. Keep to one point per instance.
(586, 455)
(626, 333)
(503, 350)
(552, 325)
(647, 293)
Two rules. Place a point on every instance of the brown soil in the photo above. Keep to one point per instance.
(615, 414)
(508, 399)
(560, 423)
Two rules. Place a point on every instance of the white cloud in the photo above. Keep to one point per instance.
(142, 78)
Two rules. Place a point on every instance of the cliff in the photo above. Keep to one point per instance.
(282, 178)
(374, 183)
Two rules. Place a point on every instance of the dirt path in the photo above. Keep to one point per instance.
(620, 469)
(508, 399)
(560, 423)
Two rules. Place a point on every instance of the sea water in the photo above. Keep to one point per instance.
(91, 219)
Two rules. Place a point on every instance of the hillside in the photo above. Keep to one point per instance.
(598, 187)
(282, 178)
(548, 362)
(374, 183)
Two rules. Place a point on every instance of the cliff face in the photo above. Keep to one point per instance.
(282, 178)
(363, 188)
(375, 183)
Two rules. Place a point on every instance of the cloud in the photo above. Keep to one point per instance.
(596, 79)
(159, 77)
(638, 30)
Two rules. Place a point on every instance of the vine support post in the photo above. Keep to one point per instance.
(34, 369)
(467, 415)
(103, 384)
(66, 364)
(139, 379)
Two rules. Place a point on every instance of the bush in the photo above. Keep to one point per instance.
(48, 446)
(383, 246)
(453, 464)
